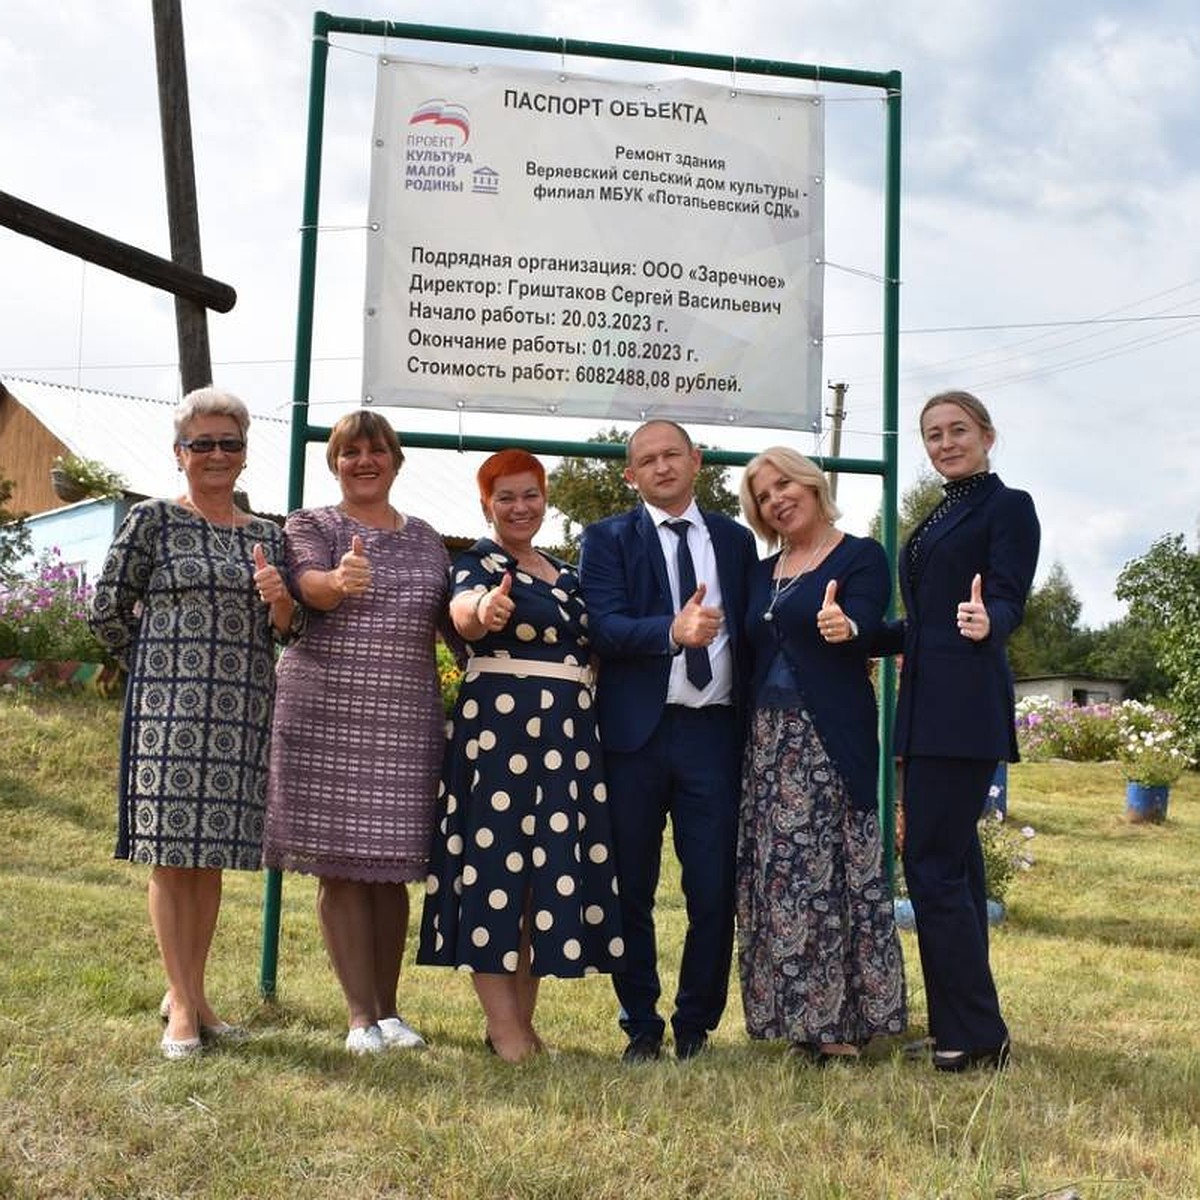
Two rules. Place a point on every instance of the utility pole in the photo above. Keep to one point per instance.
(835, 441)
(191, 320)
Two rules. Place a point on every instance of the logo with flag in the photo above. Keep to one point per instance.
(443, 115)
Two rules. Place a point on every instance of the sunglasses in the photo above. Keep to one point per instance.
(206, 445)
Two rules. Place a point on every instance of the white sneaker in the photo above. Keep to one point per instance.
(365, 1039)
(398, 1034)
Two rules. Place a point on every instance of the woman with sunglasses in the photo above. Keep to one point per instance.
(190, 600)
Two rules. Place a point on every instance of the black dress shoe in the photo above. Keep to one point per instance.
(690, 1045)
(963, 1060)
(643, 1047)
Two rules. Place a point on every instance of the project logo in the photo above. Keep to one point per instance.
(443, 116)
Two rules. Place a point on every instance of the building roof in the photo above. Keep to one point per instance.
(133, 435)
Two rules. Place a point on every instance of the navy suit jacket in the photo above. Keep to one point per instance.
(956, 695)
(624, 579)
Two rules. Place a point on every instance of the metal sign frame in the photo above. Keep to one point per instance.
(303, 432)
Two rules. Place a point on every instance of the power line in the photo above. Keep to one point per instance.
(1009, 325)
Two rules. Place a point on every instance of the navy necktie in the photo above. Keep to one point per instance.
(699, 669)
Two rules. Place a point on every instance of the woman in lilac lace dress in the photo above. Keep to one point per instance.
(359, 723)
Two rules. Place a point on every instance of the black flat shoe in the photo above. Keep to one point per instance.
(643, 1047)
(963, 1060)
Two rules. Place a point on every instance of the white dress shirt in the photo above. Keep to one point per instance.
(680, 690)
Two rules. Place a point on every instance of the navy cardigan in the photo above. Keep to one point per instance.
(832, 679)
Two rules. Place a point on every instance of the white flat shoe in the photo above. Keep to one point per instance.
(398, 1034)
(177, 1048)
(364, 1039)
(222, 1031)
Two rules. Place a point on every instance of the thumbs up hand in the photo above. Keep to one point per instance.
(352, 575)
(973, 619)
(832, 622)
(267, 578)
(495, 606)
(696, 624)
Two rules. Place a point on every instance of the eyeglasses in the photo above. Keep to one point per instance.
(206, 445)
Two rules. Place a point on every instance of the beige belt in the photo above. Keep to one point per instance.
(531, 666)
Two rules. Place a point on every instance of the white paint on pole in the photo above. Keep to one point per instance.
(550, 243)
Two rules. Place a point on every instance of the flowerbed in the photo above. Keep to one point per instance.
(1147, 740)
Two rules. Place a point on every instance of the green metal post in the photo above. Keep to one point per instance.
(303, 433)
(891, 417)
(273, 886)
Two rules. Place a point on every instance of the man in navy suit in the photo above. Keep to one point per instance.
(665, 586)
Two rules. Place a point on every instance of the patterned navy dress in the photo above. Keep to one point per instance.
(522, 821)
(176, 603)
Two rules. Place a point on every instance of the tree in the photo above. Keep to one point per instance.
(1049, 640)
(1162, 588)
(916, 503)
(586, 489)
(14, 535)
(1127, 649)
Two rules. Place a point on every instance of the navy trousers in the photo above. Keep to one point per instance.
(690, 771)
(943, 867)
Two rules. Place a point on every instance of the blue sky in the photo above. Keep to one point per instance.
(1051, 220)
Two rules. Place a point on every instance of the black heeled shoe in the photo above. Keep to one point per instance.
(963, 1060)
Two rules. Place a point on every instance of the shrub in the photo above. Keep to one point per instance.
(1152, 745)
(43, 616)
(1150, 742)
(1006, 852)
(449, 675)
(91, 477)
(1046, 729)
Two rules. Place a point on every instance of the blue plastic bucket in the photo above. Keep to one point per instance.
(1144, 802)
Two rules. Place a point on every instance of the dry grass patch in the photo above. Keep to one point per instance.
(1097, 967)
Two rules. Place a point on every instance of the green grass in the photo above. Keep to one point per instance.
(1098, 966)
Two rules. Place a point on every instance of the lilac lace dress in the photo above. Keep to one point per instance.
(359, 723)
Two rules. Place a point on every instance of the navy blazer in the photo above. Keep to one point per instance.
(624, 579)
(956, 695)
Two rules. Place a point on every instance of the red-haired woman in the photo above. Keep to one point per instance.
(521, 880)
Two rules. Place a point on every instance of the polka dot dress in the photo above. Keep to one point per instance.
(522, 821)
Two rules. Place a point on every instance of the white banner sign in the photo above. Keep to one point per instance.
(544, 243)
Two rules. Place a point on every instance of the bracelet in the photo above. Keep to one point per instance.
(478, 603)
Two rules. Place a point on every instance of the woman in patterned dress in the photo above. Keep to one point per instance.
(188, 600)
(359, 723)
(521, 879)
(818, 951)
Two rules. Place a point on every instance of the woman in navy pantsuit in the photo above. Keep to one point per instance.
(965, 574)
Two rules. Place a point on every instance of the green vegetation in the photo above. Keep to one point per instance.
(43, 615)
(14, 534)
(1163, 590)
(586, 489)
(1096, 965)
(87, 478)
